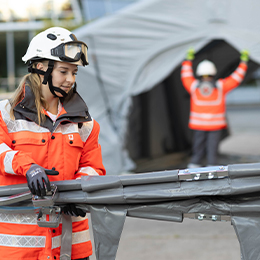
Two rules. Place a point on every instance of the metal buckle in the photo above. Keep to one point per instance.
(45, 206)
(204, 173)
(54, 214)
(201, 217)
(48, 200)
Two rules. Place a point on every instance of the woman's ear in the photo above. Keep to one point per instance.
(40, 66)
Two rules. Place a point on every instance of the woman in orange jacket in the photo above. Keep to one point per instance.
(46, 125)
(207, 105)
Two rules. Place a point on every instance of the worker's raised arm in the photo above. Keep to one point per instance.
(187, 76)
(235, 79)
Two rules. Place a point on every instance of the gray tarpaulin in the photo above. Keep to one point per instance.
(132, 51)
(210, 192)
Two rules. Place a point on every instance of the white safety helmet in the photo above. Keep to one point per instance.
(57, 44)
(206, 67)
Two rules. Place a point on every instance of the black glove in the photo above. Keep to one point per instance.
(71, 210)
(37, 180)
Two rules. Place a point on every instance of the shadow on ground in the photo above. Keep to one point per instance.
(180, 161)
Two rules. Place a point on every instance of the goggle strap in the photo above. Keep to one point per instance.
(83, 58)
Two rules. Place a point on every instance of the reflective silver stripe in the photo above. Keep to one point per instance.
(20, 124)
(4, 148)
(186, 67)
(67, 129)
(207, 116)
(210, 102)
(22, 241)
(80, 237)
(241, 71)
(77, 237)
(8, 160)
(78, 219)
(87, 170)
(237, 77)
(84, 131)
(56, 242)
(186, 74)
(201, 122)
(18, 218)
(24, 125)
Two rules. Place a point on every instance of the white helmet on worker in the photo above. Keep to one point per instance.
(206, 67)
(55, 44)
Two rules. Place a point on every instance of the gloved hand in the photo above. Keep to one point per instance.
(190, 54)
(244, 55)
(71, 210)
(37, 180)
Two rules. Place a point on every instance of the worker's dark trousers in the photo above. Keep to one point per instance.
(205, 143)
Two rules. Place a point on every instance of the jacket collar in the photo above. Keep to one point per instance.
(74, 110)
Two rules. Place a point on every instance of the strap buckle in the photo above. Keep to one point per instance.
(48, 200)
(54, 215)
(45, 207)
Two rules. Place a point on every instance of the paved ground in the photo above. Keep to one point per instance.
(147, 239)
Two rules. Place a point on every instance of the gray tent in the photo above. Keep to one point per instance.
(132, 85)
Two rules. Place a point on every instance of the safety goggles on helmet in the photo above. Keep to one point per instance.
(71, 52)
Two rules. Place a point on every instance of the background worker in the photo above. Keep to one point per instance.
(207, 105)
(46, 125)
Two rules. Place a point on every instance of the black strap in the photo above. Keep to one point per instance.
(48, 78)
(33, 70)
(48, 72)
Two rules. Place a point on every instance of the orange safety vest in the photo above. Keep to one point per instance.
(208, 111)
(69, 146)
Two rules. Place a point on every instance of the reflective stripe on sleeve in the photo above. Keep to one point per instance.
(78, 219)
(241, 71)
(77, 238)
(186, 74)
(4, 147)
(87, 170)
(237, 77)
(22, 241)
(186, 67)
(8, 160)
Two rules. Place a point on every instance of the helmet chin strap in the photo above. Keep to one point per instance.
(48, 78)
(54, 89)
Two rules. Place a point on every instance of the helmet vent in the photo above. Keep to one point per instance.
(52, 36)
(73, 37)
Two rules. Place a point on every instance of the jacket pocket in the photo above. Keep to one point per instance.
(74, 140)
(29, 139)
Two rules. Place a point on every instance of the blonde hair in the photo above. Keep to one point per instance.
(33, 80)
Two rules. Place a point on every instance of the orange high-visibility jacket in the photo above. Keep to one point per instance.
(208, 112)
(70, 146)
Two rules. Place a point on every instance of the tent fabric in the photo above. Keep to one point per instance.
(138, 48)
(159, 196)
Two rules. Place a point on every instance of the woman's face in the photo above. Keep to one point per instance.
(64, 76)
